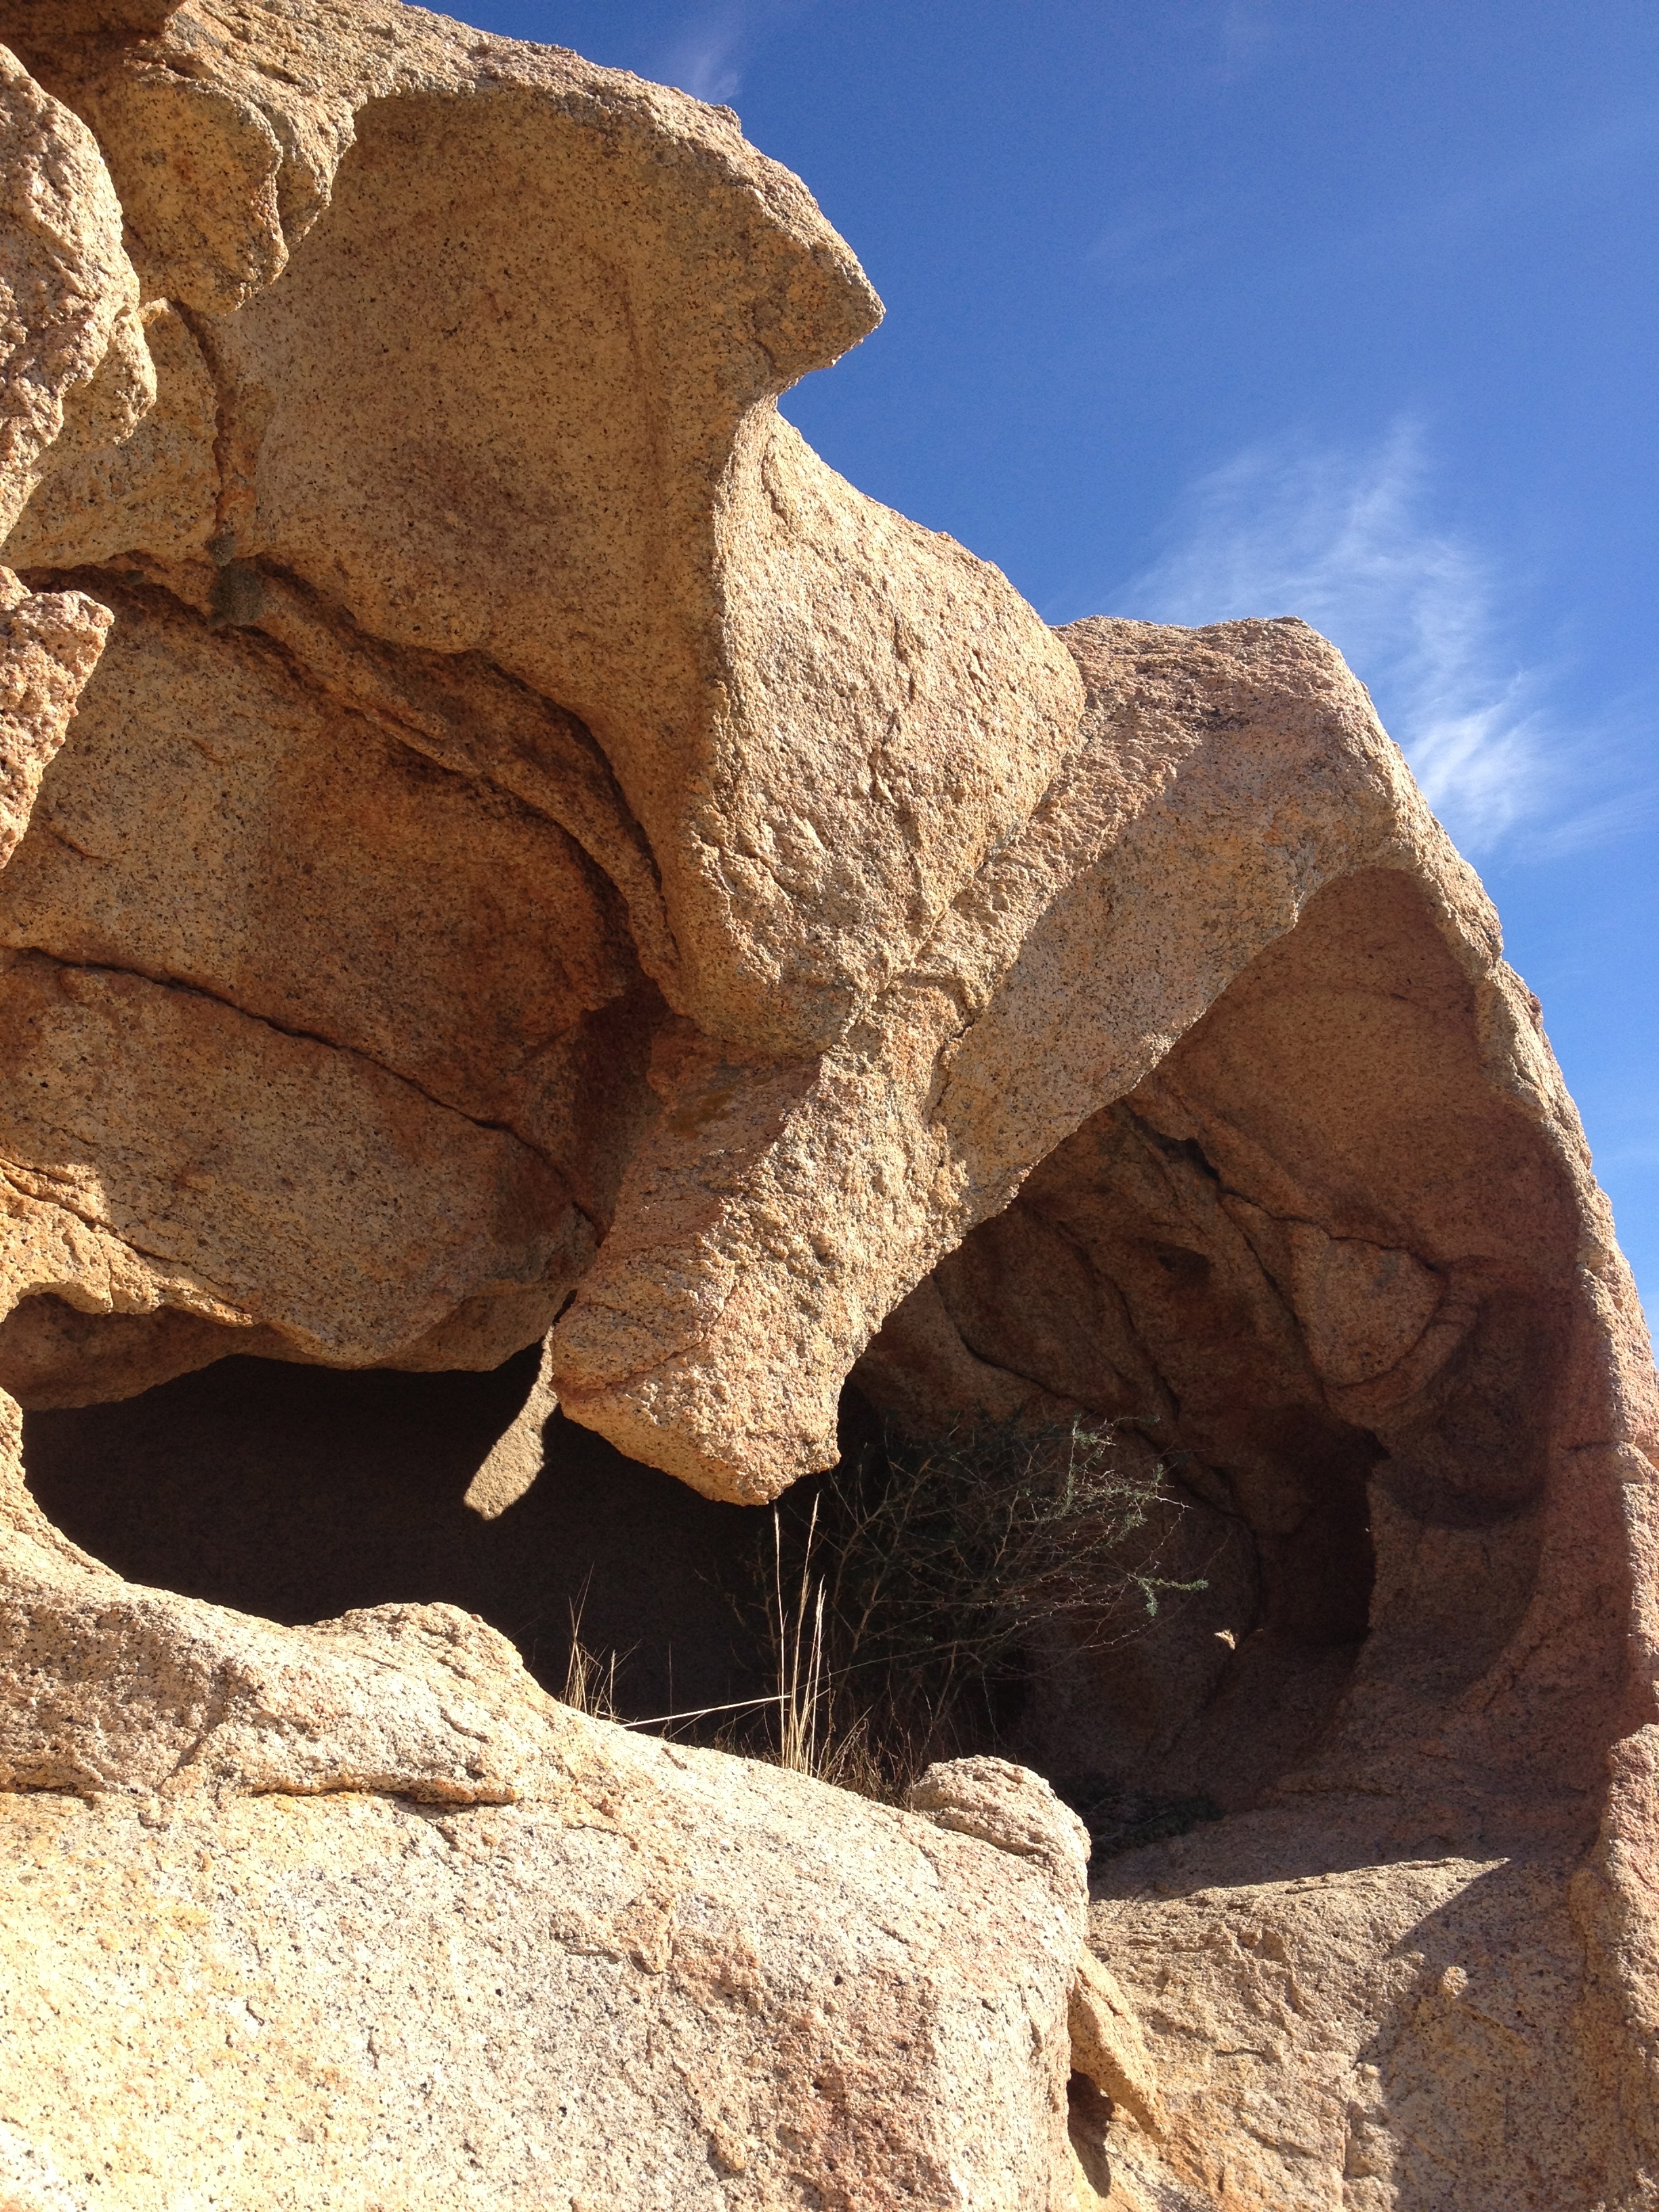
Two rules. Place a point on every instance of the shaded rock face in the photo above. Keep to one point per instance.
(1321, 1268)
(1335, 1274)
(540, 933)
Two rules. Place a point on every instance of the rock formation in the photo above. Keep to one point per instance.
(539, 859)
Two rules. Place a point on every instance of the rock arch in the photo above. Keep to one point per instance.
(541, 859)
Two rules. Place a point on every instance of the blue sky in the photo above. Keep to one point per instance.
(1343, 308)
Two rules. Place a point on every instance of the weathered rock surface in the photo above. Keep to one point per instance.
(1349, 2014)
(49, 642)
(822, 716)
(73, 372)
(74, 368)
(256, 901)
(1340, 1255)
(654, 1986)
(541, 858)
(155, 489)
(777, 1212)
(255, 1893)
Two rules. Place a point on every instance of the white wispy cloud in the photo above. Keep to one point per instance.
(708, 57)
(1247, 29)
(704, 60)
(1346, 538)
(1145, 238)
(1638, 1153)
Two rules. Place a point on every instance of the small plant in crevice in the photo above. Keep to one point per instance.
(590, 1681)
(905, 1589)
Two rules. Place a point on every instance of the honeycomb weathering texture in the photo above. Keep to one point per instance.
(501, 845)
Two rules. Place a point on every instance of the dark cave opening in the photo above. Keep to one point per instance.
(1351, 1404)
(297, 1494)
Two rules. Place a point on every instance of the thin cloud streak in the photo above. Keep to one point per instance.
(1616, 139)
(709, 58)
(1344, 539)
(1248, 30)
(1145, 241)
(1637, 1155)
(704, 60)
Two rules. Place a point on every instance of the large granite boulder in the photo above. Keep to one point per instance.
(541, 859)
(356, 1912)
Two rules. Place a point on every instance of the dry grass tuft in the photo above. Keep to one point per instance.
(590, 1682)
(903, 1591)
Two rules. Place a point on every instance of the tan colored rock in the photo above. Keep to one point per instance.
(758, 1990)
(74, 371)
(239, 857)
(1346, 1227)
(22, 20)
(1342, 1246)
(113, 1687)
(73, 362)
(733, 891)
(459, 711)
(1416, 2030)
(539, 843)
(515, 1459)
(687, 1957)
(777, 1212)
(1109, 2047)
(1003, 1804)
(49, 642)
(202, 218)
(225, 1149)
(153, 492)
(233, 837)
(53, 1354)
(222, 826)
(821, 716)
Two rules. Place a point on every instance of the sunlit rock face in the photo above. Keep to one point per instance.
(528, 897)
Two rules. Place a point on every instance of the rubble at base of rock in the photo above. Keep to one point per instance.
(502, 848)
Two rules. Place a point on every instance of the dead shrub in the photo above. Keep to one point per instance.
(904, 1590)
